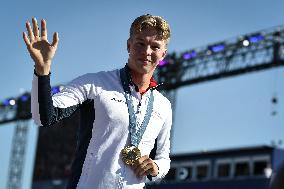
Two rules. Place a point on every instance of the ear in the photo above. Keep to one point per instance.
(165, 53)
(128, 45)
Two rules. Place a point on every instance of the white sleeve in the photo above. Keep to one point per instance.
(162, 158)
(64, 103)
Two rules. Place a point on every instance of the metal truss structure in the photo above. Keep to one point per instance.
(253, 52)
(17, 156)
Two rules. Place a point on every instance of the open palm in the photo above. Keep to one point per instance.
(38, 46)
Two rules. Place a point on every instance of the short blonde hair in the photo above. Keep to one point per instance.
(156, 22)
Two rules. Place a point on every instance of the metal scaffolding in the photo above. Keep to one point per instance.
(17, 155)
(252, 52)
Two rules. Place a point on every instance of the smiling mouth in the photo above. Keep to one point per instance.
(145, 61)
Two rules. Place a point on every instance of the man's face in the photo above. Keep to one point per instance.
(146, 50)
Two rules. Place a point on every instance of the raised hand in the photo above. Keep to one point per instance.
(38, 46)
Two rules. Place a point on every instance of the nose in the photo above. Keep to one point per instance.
(147, 50)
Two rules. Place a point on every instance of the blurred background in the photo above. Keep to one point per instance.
(229, 109)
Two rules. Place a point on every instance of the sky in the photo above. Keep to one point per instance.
(226, 113)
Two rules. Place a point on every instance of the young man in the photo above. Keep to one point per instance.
(121, 112)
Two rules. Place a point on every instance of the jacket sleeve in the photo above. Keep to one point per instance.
(47, 109)
(162, 158)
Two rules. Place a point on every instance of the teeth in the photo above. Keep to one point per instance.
(146, 60)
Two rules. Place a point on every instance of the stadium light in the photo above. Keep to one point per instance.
(169, 59)
(248, 40)
(9, 102)
(245, 43)
(255, 38)
(24, 106)
(24, 97)
(163, 63)
(55, 89)
(217, 48)
(189, 55)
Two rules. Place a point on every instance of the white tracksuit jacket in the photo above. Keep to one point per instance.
(104, 128)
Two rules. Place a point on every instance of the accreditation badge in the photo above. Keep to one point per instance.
(130, 154)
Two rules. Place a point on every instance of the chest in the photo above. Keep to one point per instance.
(111, 110)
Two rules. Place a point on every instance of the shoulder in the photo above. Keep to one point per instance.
(162, 101)
(161, 97)
(97, 77)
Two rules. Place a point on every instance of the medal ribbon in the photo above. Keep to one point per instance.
(135, 135)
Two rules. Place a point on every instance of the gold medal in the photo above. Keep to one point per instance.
(130, 154)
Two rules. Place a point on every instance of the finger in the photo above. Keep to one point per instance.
(146, 162)
(141, 169)
(29, 29)
(149, 171)
(43, 30)
(35, 29)
(143, 158)
(25, 37)
(55, 40)
(144, 171)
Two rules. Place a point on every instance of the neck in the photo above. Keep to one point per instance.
(141, 80)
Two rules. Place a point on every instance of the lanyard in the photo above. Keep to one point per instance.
(136, 132)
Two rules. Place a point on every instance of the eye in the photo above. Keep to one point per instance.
(156, 47)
